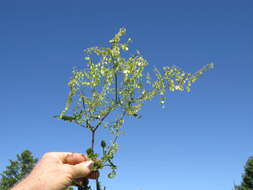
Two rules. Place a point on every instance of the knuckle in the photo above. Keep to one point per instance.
(48, 155)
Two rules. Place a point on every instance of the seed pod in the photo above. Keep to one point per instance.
(103, 144)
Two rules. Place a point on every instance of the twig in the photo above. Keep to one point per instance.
(102, 119)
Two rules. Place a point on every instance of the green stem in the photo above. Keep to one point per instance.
(116, 88)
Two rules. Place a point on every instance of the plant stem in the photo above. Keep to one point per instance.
(116, 81)
(93, 139)
(116, 88)
(101, 120)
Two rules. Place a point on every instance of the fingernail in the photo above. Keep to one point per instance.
(90, 164)
(84, 157)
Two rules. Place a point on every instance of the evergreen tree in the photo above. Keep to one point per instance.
(17, 169)
(247, 177)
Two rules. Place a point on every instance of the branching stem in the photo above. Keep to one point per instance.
(101, 120)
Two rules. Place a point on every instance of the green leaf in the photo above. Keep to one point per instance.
(112, 174)
(89, 151)
(97, 165)
(67, 118)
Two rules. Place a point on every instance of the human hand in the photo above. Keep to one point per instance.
(56, 171)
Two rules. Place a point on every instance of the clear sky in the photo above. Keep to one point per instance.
(200, 141)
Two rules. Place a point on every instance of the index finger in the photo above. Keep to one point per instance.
(67, 157)
(75, 158)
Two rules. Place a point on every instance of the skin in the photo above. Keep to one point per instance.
(57, 171)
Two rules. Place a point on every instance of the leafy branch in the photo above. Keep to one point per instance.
(114, 85)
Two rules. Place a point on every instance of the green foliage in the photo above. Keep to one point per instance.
(247, 177)
(17, 169)
(110, 84)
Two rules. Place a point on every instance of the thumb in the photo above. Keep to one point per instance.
(82, 170)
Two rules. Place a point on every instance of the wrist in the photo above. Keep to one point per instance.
(28, 183)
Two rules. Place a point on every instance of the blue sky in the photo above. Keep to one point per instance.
(200, 141)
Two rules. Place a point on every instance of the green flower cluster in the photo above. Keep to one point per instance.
(111, 84)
